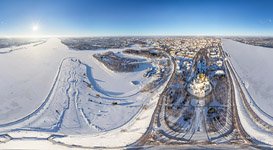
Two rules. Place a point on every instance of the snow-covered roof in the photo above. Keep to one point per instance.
(219, 72)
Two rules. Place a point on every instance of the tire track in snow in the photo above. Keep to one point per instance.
(59, 123)
(72, 94)
(72, 116)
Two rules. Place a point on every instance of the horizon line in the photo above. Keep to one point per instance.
(159, 35)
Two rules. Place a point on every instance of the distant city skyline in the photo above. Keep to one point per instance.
(135, 18)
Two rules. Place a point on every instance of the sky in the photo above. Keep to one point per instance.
(135, 17)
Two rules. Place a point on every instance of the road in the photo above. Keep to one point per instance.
(236, 120)
(157, 116)
(158, 108)
(242, 138)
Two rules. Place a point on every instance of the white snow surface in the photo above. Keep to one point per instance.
(252, 129)
(254, 67)
(26, 78)
(48, 88)
(28, 75)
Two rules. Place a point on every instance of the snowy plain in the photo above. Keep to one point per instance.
(254, 67)
(48, 88)
(258, 134)
(250, 64)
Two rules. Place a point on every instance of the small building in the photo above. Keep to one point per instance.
(219, 73)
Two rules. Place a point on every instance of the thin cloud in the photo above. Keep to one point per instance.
(266, 21)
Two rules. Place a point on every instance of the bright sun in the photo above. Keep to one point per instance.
(35, 27)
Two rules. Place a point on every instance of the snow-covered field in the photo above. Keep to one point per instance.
(251, 66)
(48, 88)
(254, 66)
(26, 78)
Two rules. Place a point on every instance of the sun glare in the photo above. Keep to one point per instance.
(35, 28)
